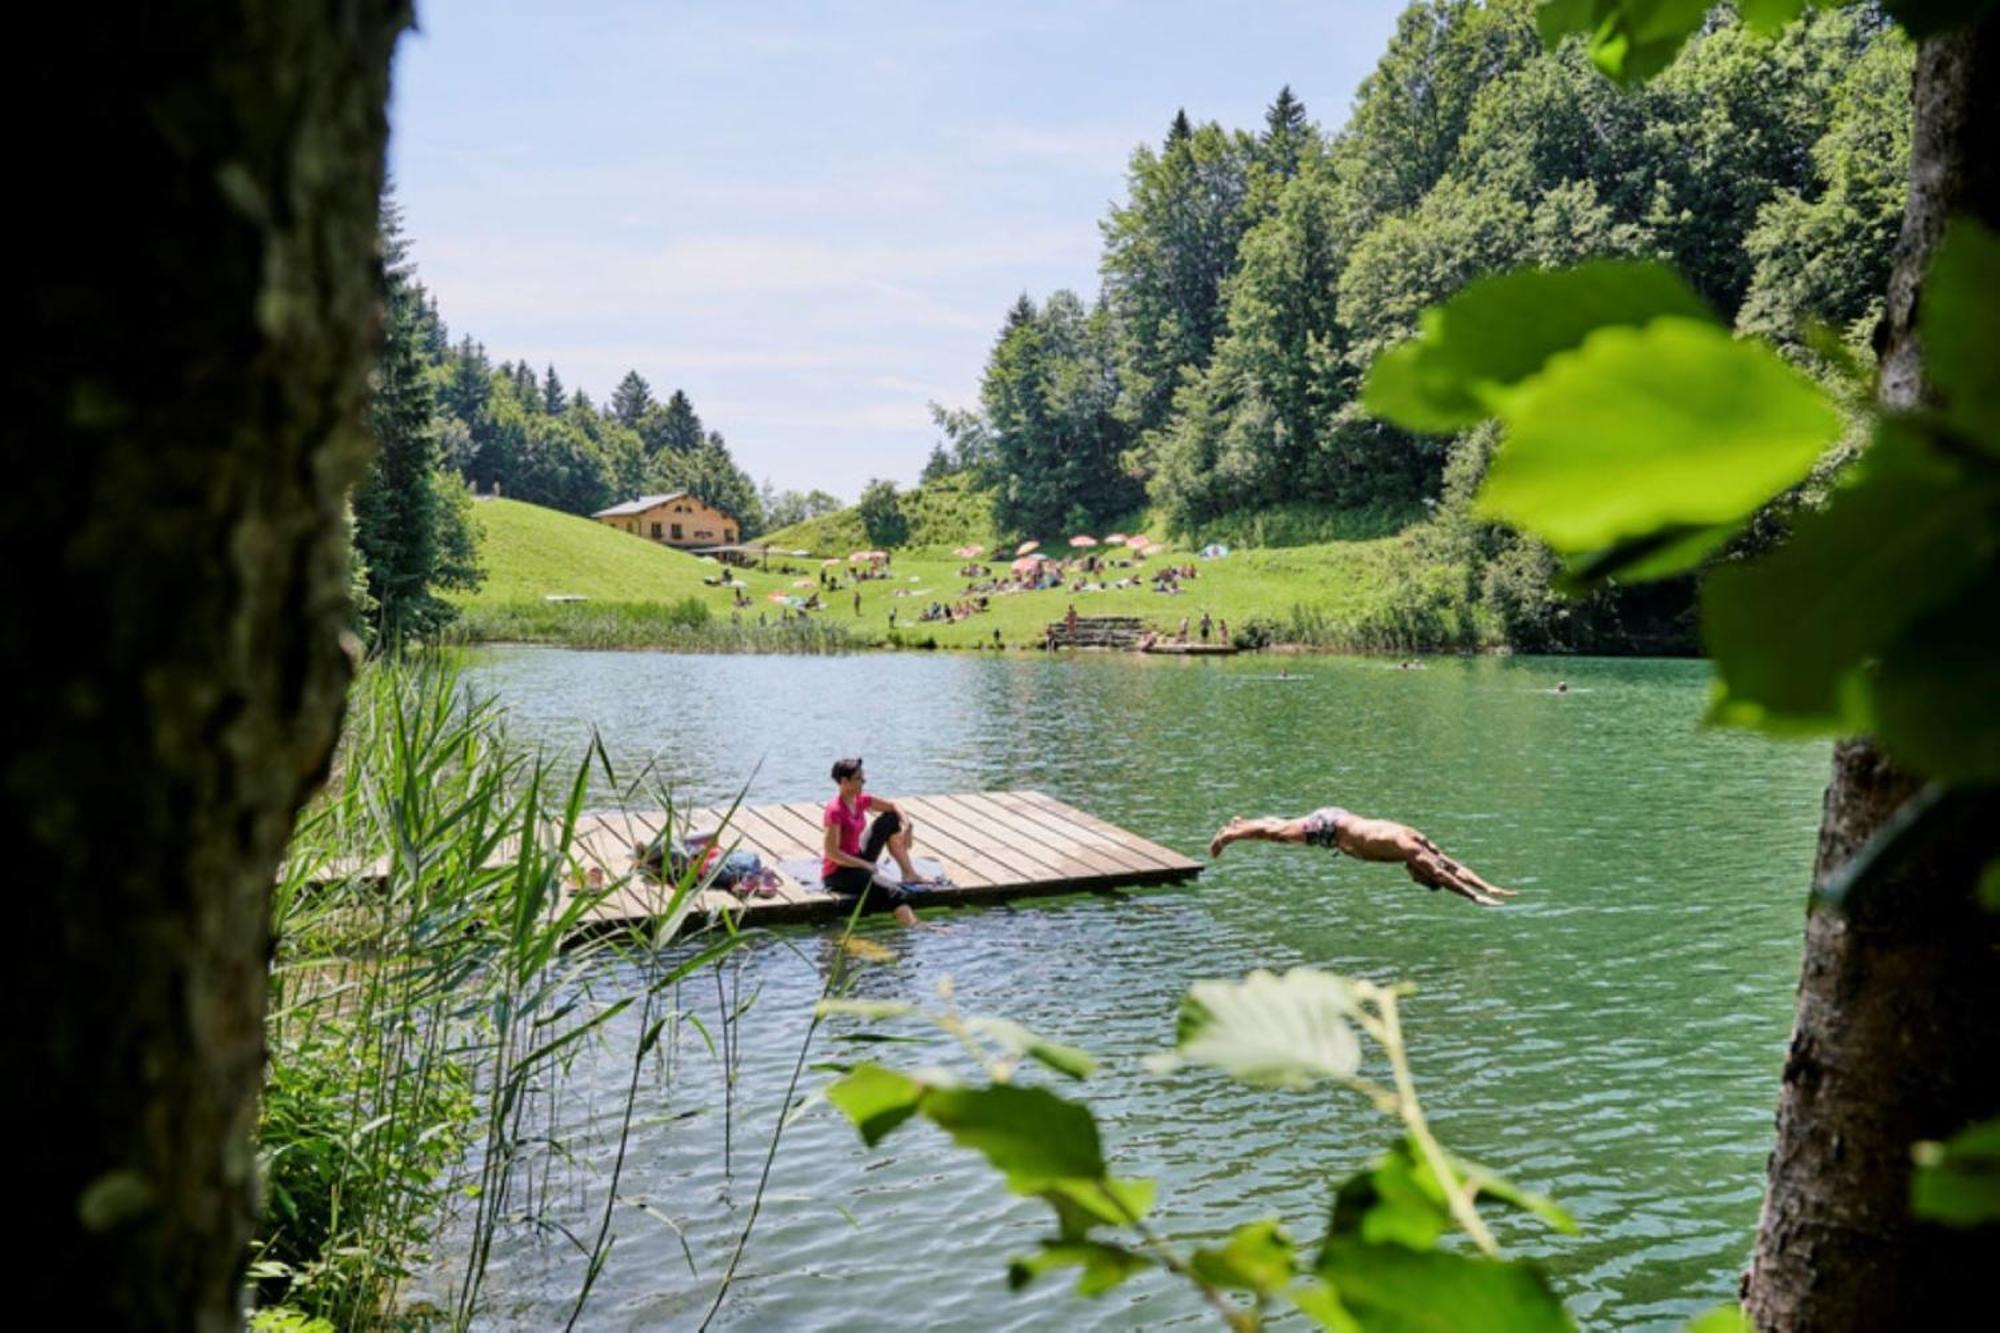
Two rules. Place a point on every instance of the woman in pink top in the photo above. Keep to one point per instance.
(847, 864)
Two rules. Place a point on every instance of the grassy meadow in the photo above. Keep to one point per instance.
(1360, 594)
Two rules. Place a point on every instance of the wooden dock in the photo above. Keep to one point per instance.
(992, 845)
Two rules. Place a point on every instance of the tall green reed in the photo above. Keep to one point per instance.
(431, 981)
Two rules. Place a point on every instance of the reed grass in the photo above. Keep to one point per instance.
(428, 987)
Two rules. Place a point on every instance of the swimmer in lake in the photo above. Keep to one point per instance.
(1366, 839)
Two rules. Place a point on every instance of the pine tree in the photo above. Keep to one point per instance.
(1286, 134)
(674, 427)
(554, 401)
(630, 399)
(407, 534)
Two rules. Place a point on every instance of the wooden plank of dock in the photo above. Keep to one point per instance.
(993, 846)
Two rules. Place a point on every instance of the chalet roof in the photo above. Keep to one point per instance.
(640, 505)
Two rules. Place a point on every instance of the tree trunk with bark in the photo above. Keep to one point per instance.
(200, 284)
(1897, 1036)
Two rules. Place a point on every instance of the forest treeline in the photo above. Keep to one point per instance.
(447, 421)
(1249, 277)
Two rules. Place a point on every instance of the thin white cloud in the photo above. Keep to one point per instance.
(1097, 148)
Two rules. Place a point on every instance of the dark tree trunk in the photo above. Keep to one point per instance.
(1898, 1029)
(199, 182)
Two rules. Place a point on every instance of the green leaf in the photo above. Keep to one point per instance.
(1500, 330)
(1958, 1182)
(1391, 1289)
(1791, 633)
(1671, 550)
(1318, 1302)
(1638, 429)
(1722, 1319)
(1267, 1030)
(1767, 17)
(1934, 691)
(1630, 40)
(1397, 1201)
(876, 1100)
(1109, 1201)
(1018, 1040)
(1960, 326)
(1491, 1185)
(1104, 1265)
(1257, 1257)
(1030, 1134)
(1989, 887)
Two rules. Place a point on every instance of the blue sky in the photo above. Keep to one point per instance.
(811, 217)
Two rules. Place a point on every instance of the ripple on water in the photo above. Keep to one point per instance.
(1614, 1039)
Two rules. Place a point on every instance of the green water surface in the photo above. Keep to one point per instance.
(1613, 1039)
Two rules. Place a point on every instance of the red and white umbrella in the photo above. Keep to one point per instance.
(1026, 547)
(1115, 539)
(1081, 540)
(1026, 564)
(869, 555)
(831, 560)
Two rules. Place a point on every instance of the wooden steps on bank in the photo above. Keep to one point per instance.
(993, 846)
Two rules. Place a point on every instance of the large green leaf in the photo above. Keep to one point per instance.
(1960, 323)
(1791, 633)
(1630, 40)
(1934, 692)
(1104, 1266)
(1030, 1134)
(1273, 1031)
(1256, 1257)
(1958, 1182)
(1766, 17)
(1500, 330)
(875, 1099)
(1397, 1201)
(1639, 429)
(1391, 1289)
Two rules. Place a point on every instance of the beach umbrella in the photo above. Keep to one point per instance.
(967, 552)
(862, 555)
(1081, 540)
(1025, 564)
(1115, 539)
(831, 560)
(1026, 547)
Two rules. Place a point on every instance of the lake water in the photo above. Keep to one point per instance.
(1613, 1039)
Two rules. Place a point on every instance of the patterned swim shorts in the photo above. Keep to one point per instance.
(1321, 826)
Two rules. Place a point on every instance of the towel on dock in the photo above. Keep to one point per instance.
(804, 872)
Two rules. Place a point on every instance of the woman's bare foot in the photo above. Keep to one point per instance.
(1228, 833)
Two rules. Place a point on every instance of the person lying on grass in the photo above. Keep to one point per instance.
(1364, 839)
(847, 864)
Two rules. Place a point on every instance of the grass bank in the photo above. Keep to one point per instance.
(1370, 593)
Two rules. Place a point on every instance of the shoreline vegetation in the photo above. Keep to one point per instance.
(1367, 582)
(426, 999)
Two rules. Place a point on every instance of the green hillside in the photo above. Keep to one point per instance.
(1342, 593)
(946, 513)
(531, 553)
